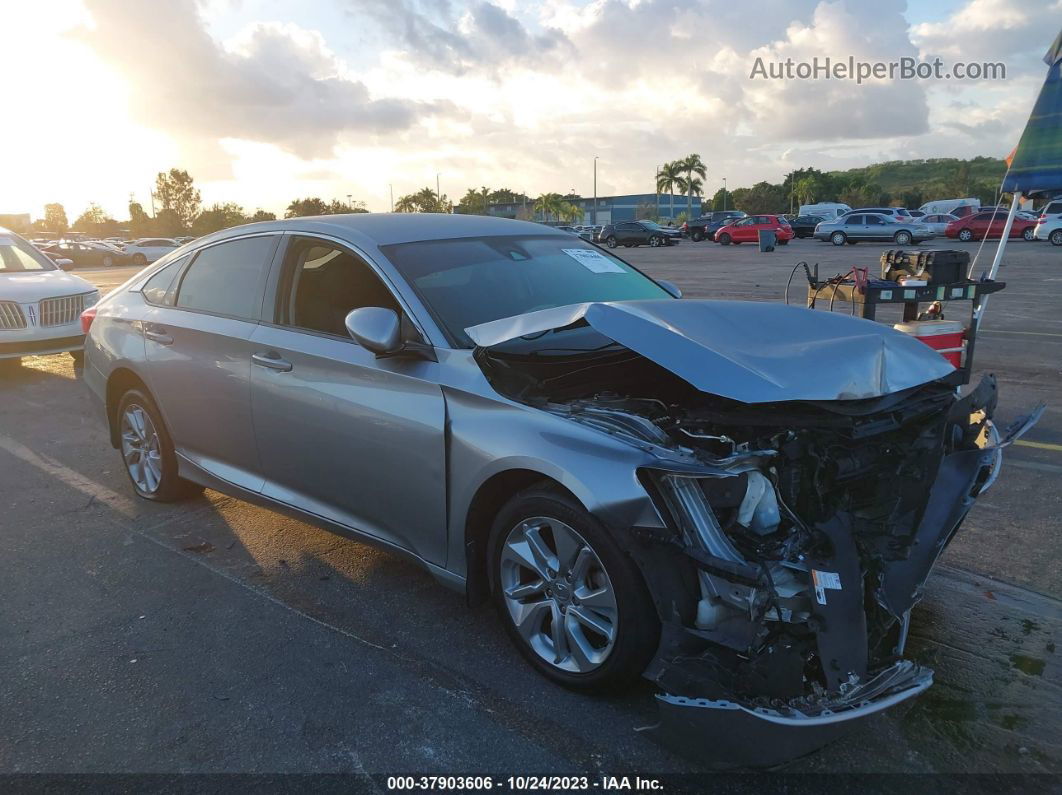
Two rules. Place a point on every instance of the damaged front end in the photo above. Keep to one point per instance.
(800, 535)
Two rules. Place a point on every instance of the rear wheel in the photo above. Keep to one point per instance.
(1028, 233)
(656, 241)
(610, 241)
(108, 261)
(1056, 237)
(966, 235)
(696, 237)
(838, 238)
(147, 451)
(783, 242)
(139, 259)
(572, 601)
(902, 238)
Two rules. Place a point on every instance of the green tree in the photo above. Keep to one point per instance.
(476, 202)
(167, 223)
(55, 218)
(691, 166)
(312, 205)
(175, 191)
(336, 207)
(262, 215)
(691, 186)
(666, 180)
(720, 200)
(140, 223)
(763, 197)
(423, 201)
(507, 196)
(549, 204)
(90, 220)
(216, 217)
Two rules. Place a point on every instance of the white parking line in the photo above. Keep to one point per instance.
(124, 505)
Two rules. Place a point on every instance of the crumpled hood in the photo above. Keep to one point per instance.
(748, 351)
(32, 286)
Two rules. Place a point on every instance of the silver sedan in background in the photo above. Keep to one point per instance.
(740, 501)
(856, 227)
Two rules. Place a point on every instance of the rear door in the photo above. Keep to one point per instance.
(876, 228)
(197, 339)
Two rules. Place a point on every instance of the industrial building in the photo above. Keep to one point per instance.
(609, 208)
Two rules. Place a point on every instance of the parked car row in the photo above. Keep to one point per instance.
(110, 252)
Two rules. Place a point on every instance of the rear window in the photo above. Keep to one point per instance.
(227, 279)
(1053, 208)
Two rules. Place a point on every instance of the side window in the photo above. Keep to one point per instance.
(327, 282)
(873, 219)
(159, 288)
(226, 279)
(854, 220)
(1053, 208)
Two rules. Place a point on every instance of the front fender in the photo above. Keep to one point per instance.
(488, 437)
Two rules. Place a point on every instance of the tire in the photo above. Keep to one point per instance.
(783, 242)
(902, 238)
(838, 238)
(966, 235)
(696, 237)
(139, 260)
(154, 440)
(610, 241)
(629, 245)
(622, 604)
(108, 261)
(1056, 237)
(656, 241)
(724, 239)
(1027, 234)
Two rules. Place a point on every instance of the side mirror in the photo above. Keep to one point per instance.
(375, 328)
(63, 263)
(671, 287)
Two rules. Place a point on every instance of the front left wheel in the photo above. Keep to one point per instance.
(571, 600)
(147, 451)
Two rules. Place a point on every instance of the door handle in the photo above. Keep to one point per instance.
(157, 334)
(271, 361)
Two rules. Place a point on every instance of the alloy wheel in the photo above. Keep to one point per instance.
(1028, 233)
(965, 235)
(838, 238)
(558, 594)
(141, 449)
(1056, 237)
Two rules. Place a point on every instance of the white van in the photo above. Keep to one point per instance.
(827, 210)
(942, 206)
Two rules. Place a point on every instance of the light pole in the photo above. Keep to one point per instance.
(593, 209)
(724, 194)
(391, 188)
(656, 187)
(438, 192)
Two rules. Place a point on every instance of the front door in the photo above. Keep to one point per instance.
(342, 434)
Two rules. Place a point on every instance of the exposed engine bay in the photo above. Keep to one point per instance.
(800, 533)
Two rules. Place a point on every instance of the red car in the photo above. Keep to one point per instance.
(747, 230)
(981, 225)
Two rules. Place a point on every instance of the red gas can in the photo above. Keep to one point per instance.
(944, 336)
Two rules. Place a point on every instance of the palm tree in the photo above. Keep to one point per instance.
(804, 189)
(549, 204)
(571, 212)
(690, 165)
(666, 180)
(692, 186)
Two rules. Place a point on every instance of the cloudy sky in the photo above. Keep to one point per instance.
(266, 100)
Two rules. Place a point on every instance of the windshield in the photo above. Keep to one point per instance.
(651, 225)
(18, 256)
(468, 281)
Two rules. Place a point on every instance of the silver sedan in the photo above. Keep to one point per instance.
(855, 227)
(644, 486)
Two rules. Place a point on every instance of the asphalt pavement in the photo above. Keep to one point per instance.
(214, 636)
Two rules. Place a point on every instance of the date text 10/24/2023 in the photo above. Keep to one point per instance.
(523, 783)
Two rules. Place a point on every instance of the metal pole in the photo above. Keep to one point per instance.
(438, 193)
(593, 210)
(724, 194)
(982, 302)
(151, 193)
(391, 188)
(656, 187)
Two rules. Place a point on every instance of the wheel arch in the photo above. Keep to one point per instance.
(489, 498)
(118, 383)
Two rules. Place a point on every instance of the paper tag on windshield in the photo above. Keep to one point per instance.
(823, 581)
(593, 261)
